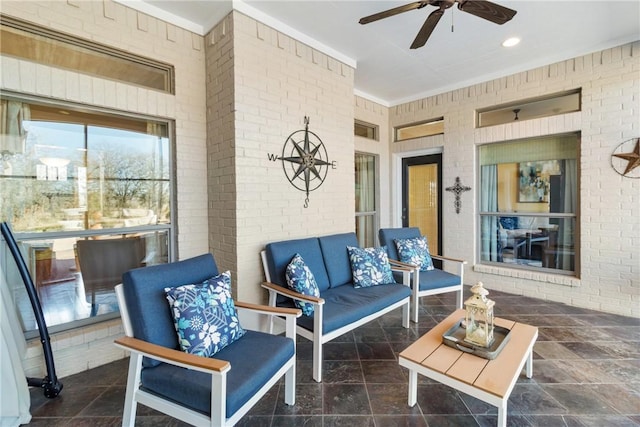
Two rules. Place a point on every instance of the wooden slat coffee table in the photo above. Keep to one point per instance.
(488, 380)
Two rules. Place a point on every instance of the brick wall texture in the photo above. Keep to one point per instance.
(609, 204)
(260, 86)
(243, 88)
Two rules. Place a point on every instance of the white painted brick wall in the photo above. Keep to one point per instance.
(266, 84)
(609, 204)
(273, 82)
(116, 25)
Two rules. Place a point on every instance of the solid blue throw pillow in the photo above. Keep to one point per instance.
(415, 251)
(300, 279)
(370, 266)
(204, 315)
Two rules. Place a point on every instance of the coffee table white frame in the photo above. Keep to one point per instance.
(488, 380)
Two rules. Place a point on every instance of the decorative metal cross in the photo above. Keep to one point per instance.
(457, 189)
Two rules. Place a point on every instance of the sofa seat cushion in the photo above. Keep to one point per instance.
(250, 370)
(346, 304)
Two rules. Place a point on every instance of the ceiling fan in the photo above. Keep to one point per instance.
(480, 8)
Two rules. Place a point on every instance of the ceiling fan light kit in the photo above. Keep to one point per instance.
(480, 8)
(511, 42)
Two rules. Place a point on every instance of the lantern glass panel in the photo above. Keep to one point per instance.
(479, 317)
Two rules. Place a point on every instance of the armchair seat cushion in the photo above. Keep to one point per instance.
(193, 388)
(435, 279)
(346, 304)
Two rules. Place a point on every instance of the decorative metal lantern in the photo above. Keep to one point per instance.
(479, 318)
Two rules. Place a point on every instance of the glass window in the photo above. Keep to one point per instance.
(529, 203)
(43, 45)
(559, 103)
(69, 176)
(72, 172)
(366, 213)
(365, 130)
(417, 130)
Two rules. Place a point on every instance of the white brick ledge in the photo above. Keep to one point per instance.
(528, 275)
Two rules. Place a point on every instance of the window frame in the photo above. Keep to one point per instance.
(544, 106)
(374, 214)
(439, 121)
(374, 130)
(107, 58)
(23, 237)
(561, 216)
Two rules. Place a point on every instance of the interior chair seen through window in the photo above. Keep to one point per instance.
(103, 261)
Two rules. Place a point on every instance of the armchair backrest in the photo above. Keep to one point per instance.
(387, 237)
(143, 289)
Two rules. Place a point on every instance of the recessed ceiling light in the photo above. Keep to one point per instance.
(510, 42)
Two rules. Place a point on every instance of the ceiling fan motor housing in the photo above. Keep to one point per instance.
(481, 8)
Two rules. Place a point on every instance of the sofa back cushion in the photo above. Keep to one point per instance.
(280, 254)
(336, 257)
(151, 318)
(387, 238)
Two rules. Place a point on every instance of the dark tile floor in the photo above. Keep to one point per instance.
(586, 373)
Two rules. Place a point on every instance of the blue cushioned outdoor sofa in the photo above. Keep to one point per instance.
(341, 307)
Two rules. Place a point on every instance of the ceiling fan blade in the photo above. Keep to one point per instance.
(427, 28)
(487, 10)
(394, 11)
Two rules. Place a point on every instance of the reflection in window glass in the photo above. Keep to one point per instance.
(127, 178)
(74, 277)
(78, 176)
(87, 195)
(529, 205)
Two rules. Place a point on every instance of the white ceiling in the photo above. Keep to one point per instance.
(389, 72)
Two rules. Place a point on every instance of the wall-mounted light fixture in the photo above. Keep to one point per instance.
(516, 111)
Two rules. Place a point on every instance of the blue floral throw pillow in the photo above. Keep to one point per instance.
(370, 266)
(415, 251)
(204, 315)
(301, 279)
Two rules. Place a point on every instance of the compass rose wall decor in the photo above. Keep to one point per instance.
(304, 160)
